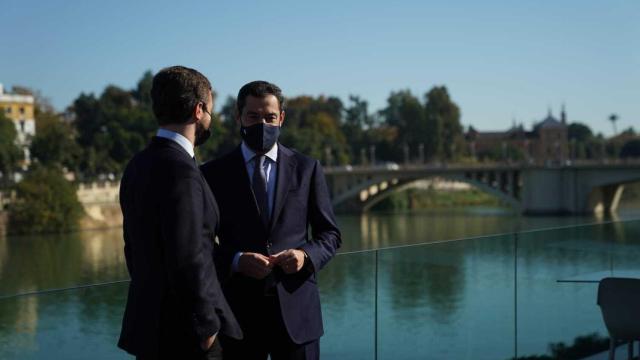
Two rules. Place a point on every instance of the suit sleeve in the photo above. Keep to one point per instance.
(190, 270)
(326, 238)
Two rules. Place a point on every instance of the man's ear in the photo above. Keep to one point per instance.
(197, 112)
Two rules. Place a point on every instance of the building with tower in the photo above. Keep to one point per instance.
(547, 143)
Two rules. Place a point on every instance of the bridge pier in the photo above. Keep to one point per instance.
(569, 190)
(606, 199)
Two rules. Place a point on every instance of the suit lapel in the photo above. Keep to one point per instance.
(246, 198)
(286, 166)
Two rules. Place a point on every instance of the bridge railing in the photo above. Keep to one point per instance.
(493, 297)
(481, 165)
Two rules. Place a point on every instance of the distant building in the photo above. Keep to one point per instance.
(546, 143)
(20, 108)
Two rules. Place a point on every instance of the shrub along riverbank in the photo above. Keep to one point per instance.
(418, 199)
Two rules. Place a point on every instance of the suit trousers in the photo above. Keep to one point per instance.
(265, 334)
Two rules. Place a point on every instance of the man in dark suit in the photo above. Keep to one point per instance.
(175, 306)
(268, 197)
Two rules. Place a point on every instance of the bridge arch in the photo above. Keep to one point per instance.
(376, 189)
(529, 188)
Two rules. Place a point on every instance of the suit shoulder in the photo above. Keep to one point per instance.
(217, 163)
(301, 158)
(168, 164)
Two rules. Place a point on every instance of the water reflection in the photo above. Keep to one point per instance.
(445, 300)
(56, 261)
(374, 231)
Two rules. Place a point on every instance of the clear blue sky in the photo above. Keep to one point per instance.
(500, 59)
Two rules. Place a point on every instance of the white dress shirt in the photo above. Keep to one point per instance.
(270, 169)
(178, 138)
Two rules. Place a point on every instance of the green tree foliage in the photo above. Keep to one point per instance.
(312, 126)
(142, 92)
(630, 149)
(225, 133)
(54, 143)
(405, 113)
(113, 127)
(10, 153)
(46, 203)
(443, 131)
(434, 125)
(579, 132)
(357, 127)
(584, 144)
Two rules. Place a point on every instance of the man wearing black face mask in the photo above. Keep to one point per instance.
(175, 306)
(268, 197)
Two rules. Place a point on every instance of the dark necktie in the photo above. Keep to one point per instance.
(259, 185)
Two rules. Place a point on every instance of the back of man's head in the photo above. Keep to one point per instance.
(259, 89)
(175, 92)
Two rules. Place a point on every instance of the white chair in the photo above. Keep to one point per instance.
(619, 300)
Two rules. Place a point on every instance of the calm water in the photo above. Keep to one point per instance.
(456, 300)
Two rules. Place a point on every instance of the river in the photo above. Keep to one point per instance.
(426, 294)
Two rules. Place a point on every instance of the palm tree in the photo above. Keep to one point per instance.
(613, 118)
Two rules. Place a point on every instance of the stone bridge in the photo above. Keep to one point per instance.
(579, 188)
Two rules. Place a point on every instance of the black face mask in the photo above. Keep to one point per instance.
(260, 137)
(202, 134)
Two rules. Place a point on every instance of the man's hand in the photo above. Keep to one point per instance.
(208, 342)
(254, 265)
(291, 261)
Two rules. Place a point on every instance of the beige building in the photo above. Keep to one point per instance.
(20, 108)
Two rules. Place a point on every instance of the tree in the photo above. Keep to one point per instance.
(444, 130)
(142, 92)
(45, 203)
(54, 143)
(113, 127)
(10, 153)
(405, 113)
(357, 126)
(580, 132)
(581, 138)
(631, 149)
(312, 126)
(613, 118)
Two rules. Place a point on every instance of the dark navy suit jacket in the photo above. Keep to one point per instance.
(301, 199)
(170, 222)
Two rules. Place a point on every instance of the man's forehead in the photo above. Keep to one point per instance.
(264, 101)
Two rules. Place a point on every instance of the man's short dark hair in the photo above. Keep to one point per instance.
(175, 92)
(259, 89)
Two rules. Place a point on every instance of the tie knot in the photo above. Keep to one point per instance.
(259, 160)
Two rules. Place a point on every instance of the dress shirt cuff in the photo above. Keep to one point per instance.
(236, 262)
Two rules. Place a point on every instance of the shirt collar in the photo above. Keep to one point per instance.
(178, 138)
(248, 154)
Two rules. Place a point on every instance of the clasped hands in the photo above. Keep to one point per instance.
(258, 266)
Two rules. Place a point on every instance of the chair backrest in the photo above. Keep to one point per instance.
(619, 300)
